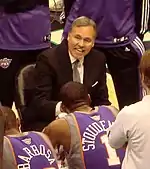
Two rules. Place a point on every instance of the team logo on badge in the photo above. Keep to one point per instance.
(5, 62)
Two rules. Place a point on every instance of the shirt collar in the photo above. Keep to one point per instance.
(72, 59)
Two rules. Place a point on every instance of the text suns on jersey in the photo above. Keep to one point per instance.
(34, 151)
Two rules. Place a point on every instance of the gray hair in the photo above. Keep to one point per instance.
(84, 21)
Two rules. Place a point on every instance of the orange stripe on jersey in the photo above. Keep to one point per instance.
(77, 126)
(12, 151)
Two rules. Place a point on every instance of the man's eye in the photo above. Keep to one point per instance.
(87, 40)
(78, 37)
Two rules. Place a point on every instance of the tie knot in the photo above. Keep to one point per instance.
(76, 74)
(76, 62)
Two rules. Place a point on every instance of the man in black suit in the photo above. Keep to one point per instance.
(56, 66)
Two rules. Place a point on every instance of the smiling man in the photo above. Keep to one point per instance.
(120, 23)
(73, 60)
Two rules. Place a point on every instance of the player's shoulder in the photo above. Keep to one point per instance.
(5, 141)
(58, 122)
(57, 126)
(112, 109)
(40, 134)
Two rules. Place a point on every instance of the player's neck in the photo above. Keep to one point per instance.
(84, 109)
(12, 131)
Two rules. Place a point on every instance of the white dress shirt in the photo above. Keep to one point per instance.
(81, 72)
(132, 126)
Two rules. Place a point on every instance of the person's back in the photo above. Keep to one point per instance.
(28, 150)
(25, 150)
(89, 142)
(136, 119)
(115, 20)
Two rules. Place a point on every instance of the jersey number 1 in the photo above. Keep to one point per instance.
(113, 159)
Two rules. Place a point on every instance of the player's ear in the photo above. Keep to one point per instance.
(89, 99)
(18, 124)
(63, 108)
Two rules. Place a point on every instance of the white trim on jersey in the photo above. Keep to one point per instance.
(137, 42)
(145, 16)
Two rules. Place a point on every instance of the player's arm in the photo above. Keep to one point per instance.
(117, 135)
(59, 134)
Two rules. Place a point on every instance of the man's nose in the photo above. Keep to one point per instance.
(81, 43)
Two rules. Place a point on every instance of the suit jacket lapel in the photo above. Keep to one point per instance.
(64, 62)
(88, 72)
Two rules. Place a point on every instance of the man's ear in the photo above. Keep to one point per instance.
(93, 45)
(68, 36)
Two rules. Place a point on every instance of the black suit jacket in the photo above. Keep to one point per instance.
(53, 69)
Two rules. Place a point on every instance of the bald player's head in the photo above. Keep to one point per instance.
(74, 95)
(10, 120)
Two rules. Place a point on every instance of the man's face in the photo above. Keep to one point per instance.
(80, 41)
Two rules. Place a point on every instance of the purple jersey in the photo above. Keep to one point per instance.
(28, 30)
(31, 151)
(115, 19)
(94, 141)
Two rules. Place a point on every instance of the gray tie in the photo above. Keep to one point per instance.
(76, 74)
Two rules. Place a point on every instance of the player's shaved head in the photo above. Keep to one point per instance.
(74, 95)
(9, 118)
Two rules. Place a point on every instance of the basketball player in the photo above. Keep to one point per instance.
(30, 150)
(82, 133)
